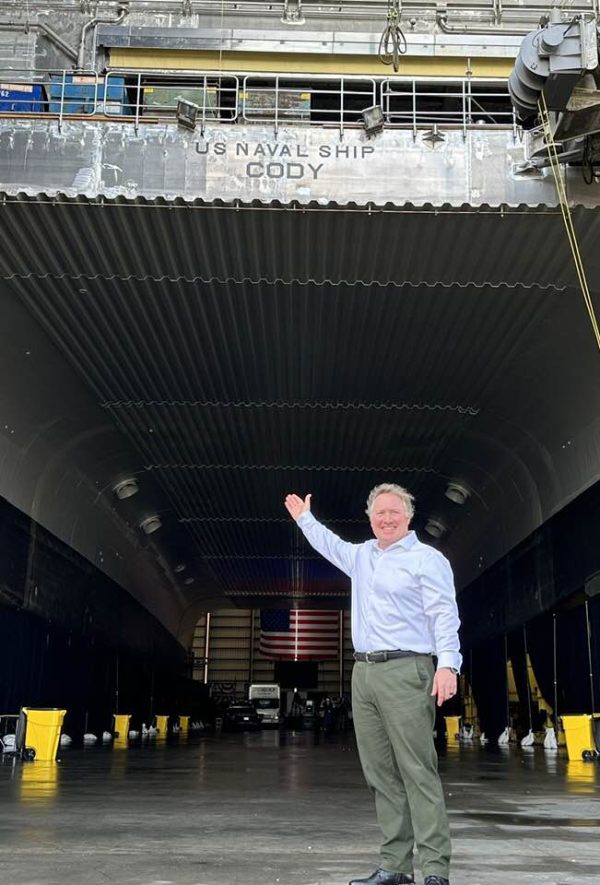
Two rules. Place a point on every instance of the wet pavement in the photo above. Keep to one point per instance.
(271, 808)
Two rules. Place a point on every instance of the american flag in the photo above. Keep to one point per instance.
(299, 634)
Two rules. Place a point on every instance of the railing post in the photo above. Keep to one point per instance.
(95, 108)
(276, 105)
(62, 100)
(342, 109)
(106, 86)
(414, 107)
(203, 124)
(244, 94)
(138, 102)
(237, 100)
(374, 95)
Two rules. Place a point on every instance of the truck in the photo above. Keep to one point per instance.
(266, 697)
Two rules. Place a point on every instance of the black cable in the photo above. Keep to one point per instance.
(590, 162)
(393, 42)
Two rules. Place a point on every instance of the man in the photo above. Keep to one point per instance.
(403, 612)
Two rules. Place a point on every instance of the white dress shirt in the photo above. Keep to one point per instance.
(403, 597)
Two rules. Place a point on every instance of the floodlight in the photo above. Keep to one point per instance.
(187, 112)
(373, 120)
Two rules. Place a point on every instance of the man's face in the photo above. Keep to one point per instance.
(388, 519)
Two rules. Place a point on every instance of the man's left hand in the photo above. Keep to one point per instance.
(444, 685)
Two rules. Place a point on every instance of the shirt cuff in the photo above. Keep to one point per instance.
(450, 659)
(305, 518)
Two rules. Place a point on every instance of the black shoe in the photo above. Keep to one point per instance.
(435, 880)
(385, 877)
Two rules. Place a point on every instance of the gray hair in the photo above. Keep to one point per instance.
(390, 488)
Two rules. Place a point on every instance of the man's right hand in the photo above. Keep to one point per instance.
(295, 506)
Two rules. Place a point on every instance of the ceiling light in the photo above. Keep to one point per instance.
(180, 567)
(187, 112)
(189, 581)
(435, 528)
(373, 120)
(150, 524)
(457, 493)
(126, 488)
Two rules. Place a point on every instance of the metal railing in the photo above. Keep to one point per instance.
(463, 103)
(154, 95)
(49, 92)
(325, 101)
(316, 101)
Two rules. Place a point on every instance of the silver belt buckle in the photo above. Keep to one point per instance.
(376, 660)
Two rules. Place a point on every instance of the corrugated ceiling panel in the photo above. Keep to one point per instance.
(154, 342)
(237, 377)
(200, 242)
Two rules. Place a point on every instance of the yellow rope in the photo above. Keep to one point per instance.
(567, 218)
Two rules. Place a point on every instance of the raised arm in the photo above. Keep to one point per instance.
(341, 553)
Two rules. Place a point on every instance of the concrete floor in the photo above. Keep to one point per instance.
(280, 808)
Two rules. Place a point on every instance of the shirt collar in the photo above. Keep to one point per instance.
(406, 543)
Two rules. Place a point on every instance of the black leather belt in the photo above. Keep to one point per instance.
(380, 657)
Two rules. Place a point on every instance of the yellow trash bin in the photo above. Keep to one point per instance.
(42, 731)
(121, 725)
(579, 733)
(452, 727)
(162, 723)
(184, 723)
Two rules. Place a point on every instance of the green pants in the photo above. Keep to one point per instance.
(394, 714)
